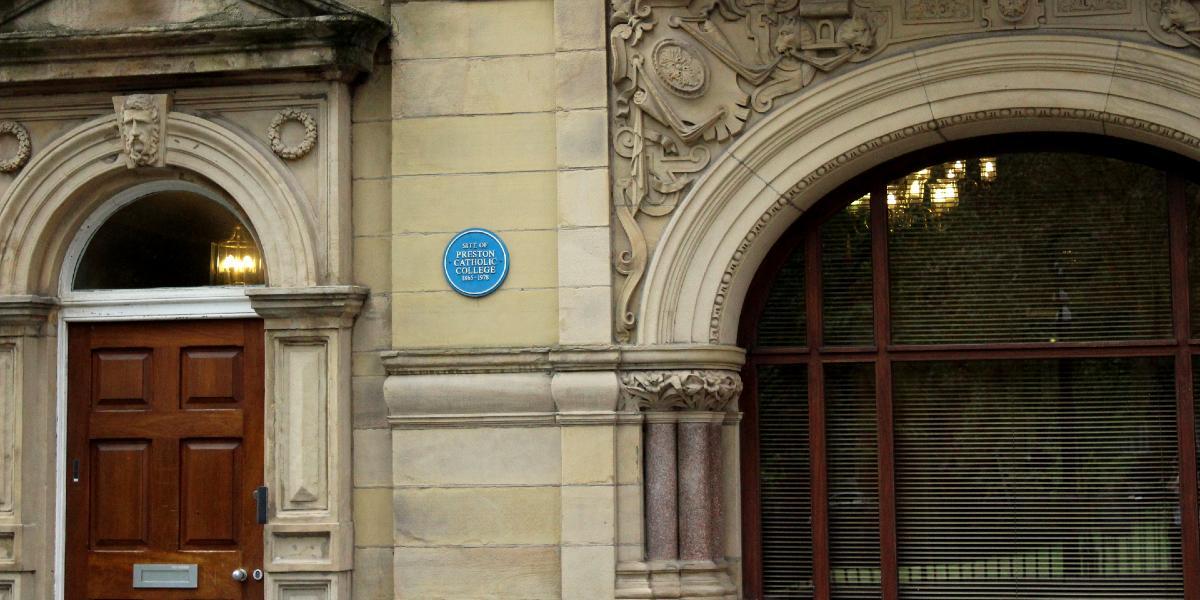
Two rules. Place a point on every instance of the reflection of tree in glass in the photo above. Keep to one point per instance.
(785, 489)
(846, 277)
(1055, 469)
(1058, 247)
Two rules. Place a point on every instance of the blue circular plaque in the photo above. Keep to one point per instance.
(476, 262)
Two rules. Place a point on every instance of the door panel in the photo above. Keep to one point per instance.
(121, 494)
(165, 422)
(212, 378)
(122, 380)
(210, 481)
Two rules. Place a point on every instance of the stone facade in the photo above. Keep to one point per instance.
(573, 435)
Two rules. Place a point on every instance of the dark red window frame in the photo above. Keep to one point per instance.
(802, 236)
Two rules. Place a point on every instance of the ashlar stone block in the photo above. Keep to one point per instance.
(529, 573)
(473, 144)
(477, 456)
(510, 201)
(446, 319)
(477, 516)
(448, 28)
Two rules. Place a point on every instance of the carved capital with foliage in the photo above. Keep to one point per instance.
(699, 390)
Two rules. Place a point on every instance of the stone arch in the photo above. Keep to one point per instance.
(721, 232)
(50, 199)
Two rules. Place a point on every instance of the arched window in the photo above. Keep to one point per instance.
(169, 238)
(970, 376)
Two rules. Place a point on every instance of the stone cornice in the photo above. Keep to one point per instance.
(337, 46)
(25, 310)
(335, 303)
(562, 359)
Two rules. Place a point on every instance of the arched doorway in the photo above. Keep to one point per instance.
(164, 418)
(970, 374)
(295, 328)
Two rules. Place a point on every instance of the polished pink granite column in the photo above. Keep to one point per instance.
(662, 518)
(700, 521)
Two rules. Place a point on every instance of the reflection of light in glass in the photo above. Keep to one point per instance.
(936, 190)
(861, 203)
(235, 261)
(987, 169)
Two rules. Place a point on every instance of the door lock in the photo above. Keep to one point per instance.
(240, 575)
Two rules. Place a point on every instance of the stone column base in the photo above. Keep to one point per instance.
(673, 579)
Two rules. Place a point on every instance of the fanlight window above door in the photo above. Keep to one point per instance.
(170, 239)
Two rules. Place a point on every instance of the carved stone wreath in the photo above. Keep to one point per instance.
(301, 149)
(24, 147)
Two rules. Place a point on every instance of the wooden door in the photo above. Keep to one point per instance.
(164, 452)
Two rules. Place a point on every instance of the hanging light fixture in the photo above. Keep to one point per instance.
(236, 261)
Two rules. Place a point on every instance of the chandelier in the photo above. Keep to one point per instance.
(236, 261)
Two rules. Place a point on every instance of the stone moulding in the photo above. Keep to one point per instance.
(731, 269)
(18, 132)
(333, 46)
(711, 247)
(688, 79)
(31, 214)
(336, 302)
(474, 361)
(560, 385)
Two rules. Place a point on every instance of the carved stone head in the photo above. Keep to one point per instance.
(140, 118)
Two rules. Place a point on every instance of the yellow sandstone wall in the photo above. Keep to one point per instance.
(498, 120)
(372, 230)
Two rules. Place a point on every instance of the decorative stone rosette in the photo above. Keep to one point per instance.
(305, 145)
(14, 163)
(701, 390)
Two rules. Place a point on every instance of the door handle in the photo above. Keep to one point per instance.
(260, 504)
(240, 575)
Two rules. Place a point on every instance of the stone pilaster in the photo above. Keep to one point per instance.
(684, 410)
(309, 537)
(27, 346)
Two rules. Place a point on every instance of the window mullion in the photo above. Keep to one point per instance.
(1180, 306)
(816, 417)
(889, 570)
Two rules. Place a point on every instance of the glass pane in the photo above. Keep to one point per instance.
(853, 462)
(1037, 479)
(846, 276)
(1037, 247)
(169, 239)
(783, 320)
(786, 492)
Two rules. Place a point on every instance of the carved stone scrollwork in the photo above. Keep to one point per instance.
(1012, 10)
(305, 145)
(1179, 21)
(142, 122)
(702, 390)
(14, 163)
(688, 78)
